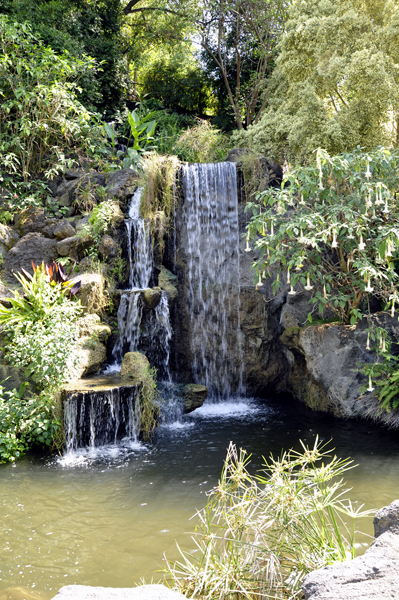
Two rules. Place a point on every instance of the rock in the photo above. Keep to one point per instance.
(74, 246)
(142, 592)
(12, 378)
(30, 220)
(167, 281)
(79, 187)
(387, 519)
(64, 230)
(90, 326)
(72, 174)
(133, 365)
(374, 575)
(86, 264)
(117, 215)
(152, 297)
(194, 396)
(108, 248)
(32, 247)
(64, 200)
(92, 291)
(121, 183)
(82, 223)
(8, 238)
(326, 368)
(90, 347)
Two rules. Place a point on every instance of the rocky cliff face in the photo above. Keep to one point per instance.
(318, 364)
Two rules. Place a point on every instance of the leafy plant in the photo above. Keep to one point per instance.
(332, 228)
(202, 143)
(258, 536)
(40, 115)
(384, 373)
(40, 325)
(25, 422)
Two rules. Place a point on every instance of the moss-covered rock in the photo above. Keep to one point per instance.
(152, 297)
(194, 396)
(91, 345)
(92, 292)
(168, 282)
(134, 365)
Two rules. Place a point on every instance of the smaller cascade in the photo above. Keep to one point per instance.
(139, 245)
(101, 412)
(139, 328)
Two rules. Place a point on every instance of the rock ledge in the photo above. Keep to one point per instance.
(142, 592)
(375, 575)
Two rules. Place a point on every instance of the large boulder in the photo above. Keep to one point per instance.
(325, 368)
(92, 291)
(108, 248)
(12, 378)
(375, 575)
(121, 184)
(32, 247)
(8, 239)
(142, 592)
(30, 220)
(74, 246)
(90, 350)
(64, 230)
(152, 297)
(194, 396)
(134, 364)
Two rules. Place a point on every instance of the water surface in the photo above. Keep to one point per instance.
(107, 518)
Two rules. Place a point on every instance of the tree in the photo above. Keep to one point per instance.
(240, 38)
(82, 27)
(336, 83)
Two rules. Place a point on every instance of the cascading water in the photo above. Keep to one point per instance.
(130, 313)
(98, 417)
(211, 215)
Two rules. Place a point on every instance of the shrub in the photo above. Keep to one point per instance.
(258, 536)
(40, 116)
(202, 143)
(41, 329)
(333, 230)
(25, 422)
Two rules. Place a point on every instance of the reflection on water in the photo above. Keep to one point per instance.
(106, 518)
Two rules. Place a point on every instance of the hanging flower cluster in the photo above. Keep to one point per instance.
(332, 230)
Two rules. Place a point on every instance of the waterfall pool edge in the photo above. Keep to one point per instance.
(108, 518)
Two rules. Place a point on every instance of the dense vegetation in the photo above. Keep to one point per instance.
(104, 85)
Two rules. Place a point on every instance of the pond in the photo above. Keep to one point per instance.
(106, 518)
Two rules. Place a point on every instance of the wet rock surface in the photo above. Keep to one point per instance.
(373, 576)
(194, 396)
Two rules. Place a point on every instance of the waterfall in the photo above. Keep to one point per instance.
(211, 216)
(100, 417)
(154, 335)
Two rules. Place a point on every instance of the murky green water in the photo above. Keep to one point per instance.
(107, 519)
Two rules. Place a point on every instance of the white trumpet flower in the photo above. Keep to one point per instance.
(292, 292)
(368, 288)
(370, 388)
(259, 284)
(247, 248)
(368, 172)
(324, 291)
(288, 275)
(362, 245)
(334, 242)
(308, 287)
(368, 342)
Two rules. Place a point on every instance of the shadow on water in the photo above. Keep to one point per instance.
(106, 517)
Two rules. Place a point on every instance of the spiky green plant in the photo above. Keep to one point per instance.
(258, 536)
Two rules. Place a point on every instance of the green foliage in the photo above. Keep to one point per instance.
(202, 143)
(149, 401)
(41, 328)
(176, 85)
(258, 536)
(81, 28)
(335, 85)
(384, 373)
(333, 230)
(101, 220)
(25, 422)
(40, 116)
